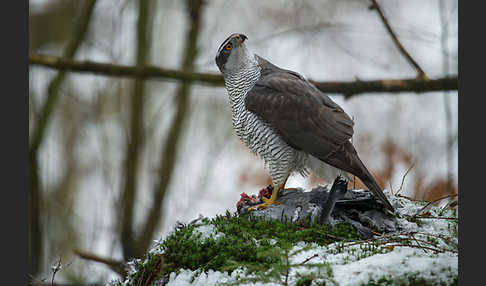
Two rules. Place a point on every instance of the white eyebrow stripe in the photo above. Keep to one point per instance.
(226, 41)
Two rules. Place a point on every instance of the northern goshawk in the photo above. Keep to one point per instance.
(286, 120)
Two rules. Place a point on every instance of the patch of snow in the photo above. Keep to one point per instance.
(398, 263)
(211, 278)
(207, 231)
(272, 241)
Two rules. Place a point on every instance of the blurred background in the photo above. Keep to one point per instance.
(115, 162)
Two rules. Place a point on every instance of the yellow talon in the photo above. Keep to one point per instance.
(273, 198)
(268, 202)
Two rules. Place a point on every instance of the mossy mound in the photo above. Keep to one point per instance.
(233, 241)
(236, 249)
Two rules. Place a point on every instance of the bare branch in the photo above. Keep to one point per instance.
(115, 265)
(348, 88)
(352, 88)
(123, 71)
(421, 74)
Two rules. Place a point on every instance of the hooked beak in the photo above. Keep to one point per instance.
(242, 37)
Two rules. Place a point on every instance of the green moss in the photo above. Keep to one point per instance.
(263, 248)
(305, 281)
(306, 231)
(246, 242)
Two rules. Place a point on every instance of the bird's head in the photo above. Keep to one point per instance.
(232, 54)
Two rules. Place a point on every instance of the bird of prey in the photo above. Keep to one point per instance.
(286, 120)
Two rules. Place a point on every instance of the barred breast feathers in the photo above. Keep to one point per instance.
(280, 158)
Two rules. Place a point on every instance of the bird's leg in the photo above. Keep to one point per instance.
(268, 202)
(273, 198)
(290, 189)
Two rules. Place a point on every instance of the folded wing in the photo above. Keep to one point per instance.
(302, 115)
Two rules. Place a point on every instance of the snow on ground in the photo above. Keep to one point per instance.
(396, 264)
(208, 230)
(356, 263)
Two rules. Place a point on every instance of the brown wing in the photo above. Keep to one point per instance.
(304, 117)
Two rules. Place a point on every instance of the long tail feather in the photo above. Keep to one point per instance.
(370, 182)
(347, 159)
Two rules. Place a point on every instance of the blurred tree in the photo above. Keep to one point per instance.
(133, 245)
(176, 130)
(53, 24)
(136, 130)
(38, 134)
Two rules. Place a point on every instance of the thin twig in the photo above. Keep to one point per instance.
(309, 258)
(403, 178)
(436, 217)
(55, 269)
(417, 246)
(421, 74)
(399, 238)
(444, 238)
(409, 198)
(436, 200)
(418, 243)
(372, 239)
(451, 204)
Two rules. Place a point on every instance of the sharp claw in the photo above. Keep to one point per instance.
(265, 199)
(265, 205)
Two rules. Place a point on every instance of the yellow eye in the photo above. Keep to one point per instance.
(228, 47)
